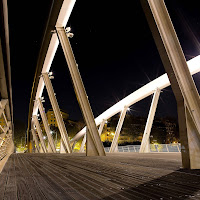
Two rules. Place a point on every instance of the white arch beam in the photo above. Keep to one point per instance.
(160, 82)
(62, 20)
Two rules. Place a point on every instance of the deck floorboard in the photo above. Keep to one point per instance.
(114, 177)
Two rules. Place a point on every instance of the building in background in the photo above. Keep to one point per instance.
(52, 119)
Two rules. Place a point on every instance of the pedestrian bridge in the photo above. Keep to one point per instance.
(96, 172)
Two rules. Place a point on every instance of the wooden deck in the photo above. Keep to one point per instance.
(116, 176)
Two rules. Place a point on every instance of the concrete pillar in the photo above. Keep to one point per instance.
(183, 86)
(51, 145)
(80, 90)
(145, 144)
(114, 145)
(56, 109)
(36, 140)
(83, 144)
(37, 124)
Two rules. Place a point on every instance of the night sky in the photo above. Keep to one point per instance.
(113, 47)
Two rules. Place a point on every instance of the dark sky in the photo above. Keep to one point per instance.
(114, 49)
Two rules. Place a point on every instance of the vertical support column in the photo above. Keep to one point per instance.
(37, 124)
(145, 144)
(36, 140)
(80, 90)
(56, 109)
(114, 145)
(46, 126)
(83, 144)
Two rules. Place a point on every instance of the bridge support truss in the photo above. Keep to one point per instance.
(145, 144)
(114, 145)
(56, 109)
(39, 131)
(35, 138)
(82, 97)
(51, 145)
(183, 86)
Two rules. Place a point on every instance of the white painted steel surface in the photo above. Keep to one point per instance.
(160, 82)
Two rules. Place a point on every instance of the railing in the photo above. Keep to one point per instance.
(5, 144)
(153, 148)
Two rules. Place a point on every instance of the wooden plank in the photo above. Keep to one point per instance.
(3, 178)
(40, 181)
(65, 187)
(11, 188)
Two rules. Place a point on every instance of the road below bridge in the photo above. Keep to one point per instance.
(116, 176)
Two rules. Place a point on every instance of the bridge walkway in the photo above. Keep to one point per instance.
(116, 176)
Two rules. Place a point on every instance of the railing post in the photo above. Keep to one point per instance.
(37, 124)
(145, 144)
(114, 145)
(80, 90)
(46, 126)
(56, 109)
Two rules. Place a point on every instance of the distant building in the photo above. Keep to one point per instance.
(52, 119)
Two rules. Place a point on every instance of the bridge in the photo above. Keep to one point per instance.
(96, 172)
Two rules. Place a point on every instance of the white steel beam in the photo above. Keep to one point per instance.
(37, 124)
(80, 90)
(143, 92)
(62, 20)
(56, 110)
(83, 144)
(177, 58)
(36, 140)
(114, 145)
(47, 128)
(145, 144)
(101, 127)
(73, 145)
(84, 139)
(184, 87)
